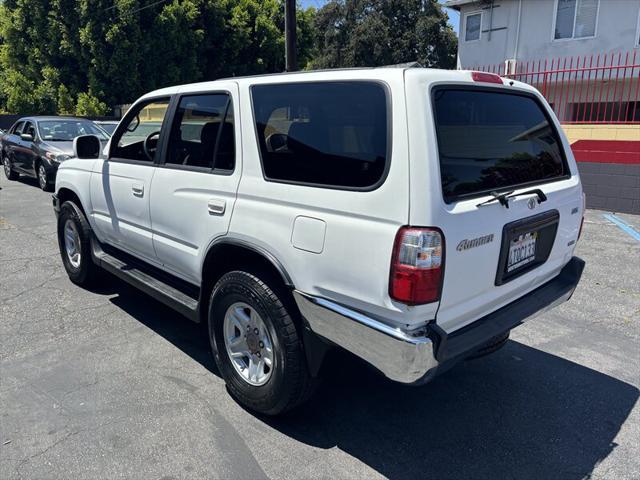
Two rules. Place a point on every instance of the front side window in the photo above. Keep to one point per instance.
(492, 141)
(202, 133)
(576, 18)
(29, 129)
(473, 26)
(66, 130)
(139, 140)
(17, 129)
(323, 133)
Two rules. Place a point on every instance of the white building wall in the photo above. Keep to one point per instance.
(616, 30)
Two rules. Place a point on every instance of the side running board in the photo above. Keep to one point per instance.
(143, 278)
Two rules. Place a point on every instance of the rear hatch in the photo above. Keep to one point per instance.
(510, 200)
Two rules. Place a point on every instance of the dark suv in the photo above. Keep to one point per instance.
(35, 146)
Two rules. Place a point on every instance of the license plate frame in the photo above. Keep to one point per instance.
(545, 227)
(522, 250)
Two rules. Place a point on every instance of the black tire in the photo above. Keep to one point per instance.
(43, 178)
(86, 273)
(8, 169)
(290, 383)
(493, 345)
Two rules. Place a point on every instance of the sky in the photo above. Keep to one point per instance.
(454, 17)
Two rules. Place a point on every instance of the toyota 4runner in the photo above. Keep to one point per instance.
(410, 216)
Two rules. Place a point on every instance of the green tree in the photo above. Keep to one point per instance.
(173, 46)
(18, 92)
(54, 51)
(90, 106)
(368, 33)
(66, 105)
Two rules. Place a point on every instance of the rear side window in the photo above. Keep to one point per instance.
(202, 133)
(493, 141)
(332, 134)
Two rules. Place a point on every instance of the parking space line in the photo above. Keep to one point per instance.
(628, 229)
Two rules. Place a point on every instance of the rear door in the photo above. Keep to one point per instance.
(28, 150)
(12, 145)
(491, 142)
(194, 187)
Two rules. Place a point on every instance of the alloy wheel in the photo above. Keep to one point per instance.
(248, 344)
(42, 176)
(72, 243)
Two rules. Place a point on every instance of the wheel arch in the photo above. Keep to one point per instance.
(65, 194)
(36, 164)
(229, 253)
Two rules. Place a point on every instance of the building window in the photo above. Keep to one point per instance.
(473, 25)
(576, 18)
(605, 112)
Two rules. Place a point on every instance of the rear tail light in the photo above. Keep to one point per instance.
(417, 265)
(486, 77)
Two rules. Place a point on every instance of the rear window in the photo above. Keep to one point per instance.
(330, 134)
(491, 141)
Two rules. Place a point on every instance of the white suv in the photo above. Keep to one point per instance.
(410, 216)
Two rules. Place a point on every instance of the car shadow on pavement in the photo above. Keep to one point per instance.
(32, 182)
(519, 413)
(184, 334)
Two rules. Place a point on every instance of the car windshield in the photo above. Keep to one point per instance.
(108, 127)
(67, 130)
(139, 132)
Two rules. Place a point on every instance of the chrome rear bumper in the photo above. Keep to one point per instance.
(416, 358)
(400, 356)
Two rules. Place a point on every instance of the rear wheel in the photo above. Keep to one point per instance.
(257, 345)
(8, 169)
(74, 240)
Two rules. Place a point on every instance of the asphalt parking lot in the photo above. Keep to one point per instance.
(111, 384)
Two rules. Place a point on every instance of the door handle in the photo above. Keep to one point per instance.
(137, 189)
(216, 206)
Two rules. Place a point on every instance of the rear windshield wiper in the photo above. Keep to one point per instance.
(536, 191)
(503, 198)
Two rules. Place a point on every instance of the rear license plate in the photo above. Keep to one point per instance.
(522, 250)
(526, 244)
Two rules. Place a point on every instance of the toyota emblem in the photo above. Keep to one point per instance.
(531, 203)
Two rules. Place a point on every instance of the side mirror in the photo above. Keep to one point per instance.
(87, 147)
(26, 137)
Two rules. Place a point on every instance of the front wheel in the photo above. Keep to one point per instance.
(8, 169)
(257, 345)
(74, 240)
(43, 178)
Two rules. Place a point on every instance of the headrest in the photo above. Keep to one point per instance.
(209, 133)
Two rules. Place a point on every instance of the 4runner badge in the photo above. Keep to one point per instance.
(474, 242)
